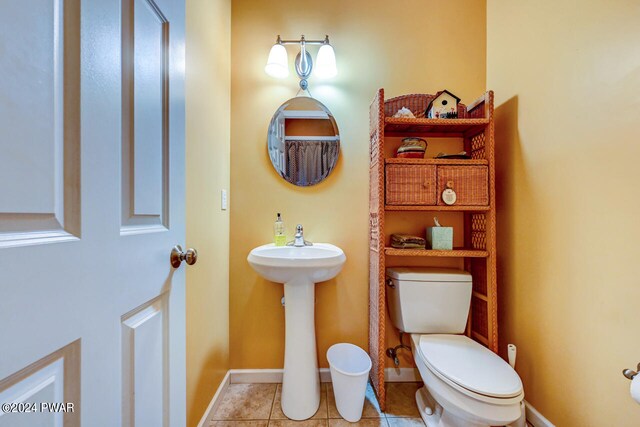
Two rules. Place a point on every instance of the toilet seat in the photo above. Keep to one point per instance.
(456, 360)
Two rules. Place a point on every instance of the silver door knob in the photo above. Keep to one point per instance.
(178, 255)
(629, 374)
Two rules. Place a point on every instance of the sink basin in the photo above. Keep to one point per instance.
(299, 269)
(282, 264)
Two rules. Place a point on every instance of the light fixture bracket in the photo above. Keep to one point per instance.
(303, 68)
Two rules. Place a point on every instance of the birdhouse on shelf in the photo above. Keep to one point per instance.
(443, 106)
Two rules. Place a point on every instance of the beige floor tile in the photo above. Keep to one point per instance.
(364, 422)
(405, 422)
(371, 408)
(246, 402)
(401, 400)
(292, 423)
(276, 410)
(252, 423)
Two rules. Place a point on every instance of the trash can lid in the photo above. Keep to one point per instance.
(349, 359)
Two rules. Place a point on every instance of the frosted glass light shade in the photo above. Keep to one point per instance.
(326, 62)
(277, 64)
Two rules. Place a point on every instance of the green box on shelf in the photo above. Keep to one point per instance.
(440, 238)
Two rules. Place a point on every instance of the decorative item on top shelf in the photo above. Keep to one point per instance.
(404, 113)
(406, 241)
(439, 237)
(412, 148)
(443, 106)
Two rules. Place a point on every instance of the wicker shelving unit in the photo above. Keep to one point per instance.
(475, 129)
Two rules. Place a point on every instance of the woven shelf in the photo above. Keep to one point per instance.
(455, 253)
(457, 127)
(436, 208)
(442, 162)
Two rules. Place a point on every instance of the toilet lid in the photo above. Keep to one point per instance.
(470, 365)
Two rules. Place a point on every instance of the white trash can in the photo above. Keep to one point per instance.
(350, 366)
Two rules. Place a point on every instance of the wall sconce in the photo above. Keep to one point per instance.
(325, 67)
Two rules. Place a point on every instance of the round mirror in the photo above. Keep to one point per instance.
(303, 141)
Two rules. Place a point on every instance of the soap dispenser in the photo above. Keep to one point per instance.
(279, 238)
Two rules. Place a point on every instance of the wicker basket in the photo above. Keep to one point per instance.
(469, 182)
(411, 185)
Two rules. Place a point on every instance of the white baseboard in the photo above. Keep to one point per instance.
(256, 376)
(535, 418)
(402, 375)
(215, 401)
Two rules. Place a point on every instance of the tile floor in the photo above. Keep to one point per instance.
(258, 405)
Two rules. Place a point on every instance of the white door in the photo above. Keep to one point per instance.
(92, 314)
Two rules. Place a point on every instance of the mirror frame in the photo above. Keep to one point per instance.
(286, 152)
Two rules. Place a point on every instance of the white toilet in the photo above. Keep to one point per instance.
(466, 384)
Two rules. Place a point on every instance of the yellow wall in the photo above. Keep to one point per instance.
(405, 47)
(567, 85)
(208, 125)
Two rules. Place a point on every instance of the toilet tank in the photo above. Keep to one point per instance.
(426, 300)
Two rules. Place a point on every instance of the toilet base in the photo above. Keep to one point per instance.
(434, 415)
(430, 411)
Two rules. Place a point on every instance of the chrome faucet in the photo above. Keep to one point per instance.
(298, 239)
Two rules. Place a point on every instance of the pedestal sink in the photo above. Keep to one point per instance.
(299, 268)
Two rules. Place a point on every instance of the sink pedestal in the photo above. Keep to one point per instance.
(299, 268)
(301, 381)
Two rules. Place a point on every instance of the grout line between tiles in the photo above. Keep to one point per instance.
(326, 401)
(273, 402)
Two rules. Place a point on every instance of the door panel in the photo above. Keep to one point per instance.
(54, 378)
(145, 375)
(44, 385)
(145, 41)
(94, 183)
(148, 83)
(39, 114)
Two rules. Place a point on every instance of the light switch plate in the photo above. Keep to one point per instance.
(223, 200)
